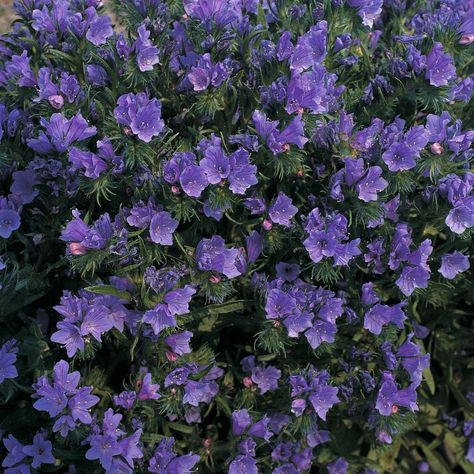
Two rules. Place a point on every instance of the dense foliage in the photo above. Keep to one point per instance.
(235, 236)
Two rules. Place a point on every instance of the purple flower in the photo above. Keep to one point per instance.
(179, 343)
(40, 451)
(211, 255)
(9, 222)
(254, 245)
(460, 217)
(178, 300)
(339, 466)
(23, 185)
(287, 271)
(103, 448)
(368, 10)
(320, 331)
(323, 398)
(99, 30)
(162, 226)
(266, 378)
(282, 210)
(80, 403)
(240, 421)
(243, 464)
(242, 174)
(89, 162)
(439, 66)
(141, 114)
(371, 184)
(147, 54)
(453, 263)
(412, 360)
(193, 180)
(199, 392)
(412, 278)
(8, 355)
(165, 460)
(148, 391)
(61, 133)
(390, 397)
(15, 452)
(399, 157)
(220, 12)
(159, 318)
(279, 304)
(70, 336)
(381, 314)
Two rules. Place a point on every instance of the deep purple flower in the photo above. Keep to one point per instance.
(323, 398)
(279, 304)
(381, 314)
(40, 450)
(141, 114)
(9, 222)
(23, 185)
(412, 360)
(390, 397)
(178, 300)
(80, 403)
(339, 466)
(165, 461)
(371, 184)
(15, 451)
(282, 210)
(240, 421)
(148, 391)
(61, 133)
(453, 263)
(147, 53)
(103, 448)
(89, 162)
(159, 318)
(199, 392)
(243, 464)
(399, 157)
(179, 343)
(287, 271)
(412, 278)
(99, 30)
(368, 10)
(193, 180)
(162, 226)
(8, 355)
(439, 66)
(212, 255)
(460, 217)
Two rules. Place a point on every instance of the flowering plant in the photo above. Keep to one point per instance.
(236, 237)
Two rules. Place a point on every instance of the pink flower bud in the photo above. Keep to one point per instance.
(171, 356)
(301, 110)
(300, 173)
(56, 101)
(127, 131)
(466, 39)
(285, 147)
(394, 408)
(267, 224)
(76, 248)
(175, 189)
(215, 279)
(247, 381)
(436, 148)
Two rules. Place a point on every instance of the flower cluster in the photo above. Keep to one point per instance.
(235, 236)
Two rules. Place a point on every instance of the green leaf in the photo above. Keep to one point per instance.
(181, 428)
(109, 290)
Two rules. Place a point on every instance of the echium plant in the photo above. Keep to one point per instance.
(236, 237)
